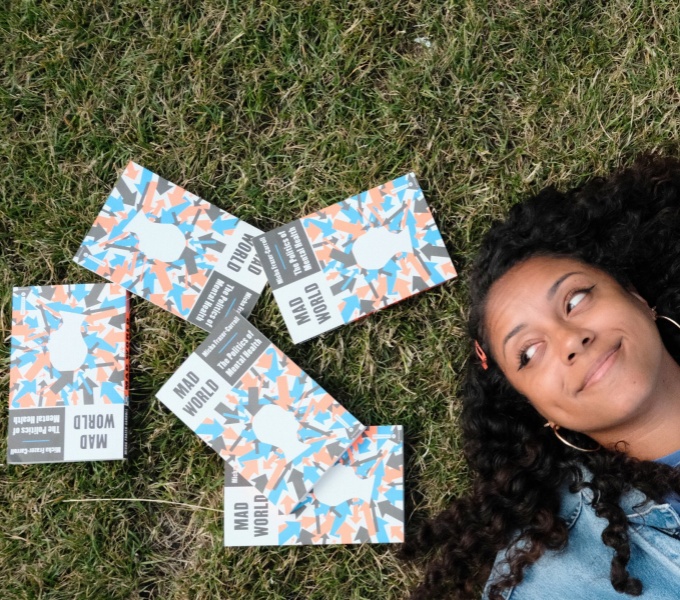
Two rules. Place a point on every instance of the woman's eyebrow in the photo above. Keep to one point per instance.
(514, 331)
(553, 288)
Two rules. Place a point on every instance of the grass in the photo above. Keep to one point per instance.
(272, 110)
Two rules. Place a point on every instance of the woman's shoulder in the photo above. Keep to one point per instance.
(581, 570)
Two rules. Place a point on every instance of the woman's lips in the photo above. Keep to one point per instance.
(600, 367)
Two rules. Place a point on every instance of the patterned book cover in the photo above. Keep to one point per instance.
(175, 249)
(359, 499)
(68, 373)
(354, 258)
(260, 412)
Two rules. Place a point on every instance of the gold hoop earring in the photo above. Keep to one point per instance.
(555, 427)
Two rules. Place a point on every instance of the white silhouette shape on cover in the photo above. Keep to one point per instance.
(158, 241)
(378, 245)
(66, 346)
(341, 483)
(278, 427)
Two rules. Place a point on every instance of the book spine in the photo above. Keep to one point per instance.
(126, 378)
(128, 337)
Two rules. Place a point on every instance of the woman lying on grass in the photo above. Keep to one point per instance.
(571, 415)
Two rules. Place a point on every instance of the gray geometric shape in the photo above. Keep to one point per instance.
(397, 434)
(418, 284)
(232, 479)
(163, 186)
(47, 291)
(420, 205)
(189, 257)
(387, 508)
(430, 251)
(65, 378)
(217, 444)
(346, 258)
(118, 321)
(229, 416)
(395, 461)
(214, 212)
(129, 196)
(362, 535)
(297, 480)
(92, 297)
(366, 307)
(305, 537)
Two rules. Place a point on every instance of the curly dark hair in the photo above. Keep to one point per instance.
(628, 225)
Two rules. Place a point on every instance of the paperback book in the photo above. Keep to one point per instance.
(354, 257)
(271, 422)
(68, 373)
(359, 499)
(174, 249)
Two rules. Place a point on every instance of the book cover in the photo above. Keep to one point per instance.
(174, 249)
(260, 412)
(354, 258)
(359, 499)
(68, 373)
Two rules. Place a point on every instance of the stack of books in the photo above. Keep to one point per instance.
(299, 468)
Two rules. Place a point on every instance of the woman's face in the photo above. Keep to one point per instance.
(584, 350)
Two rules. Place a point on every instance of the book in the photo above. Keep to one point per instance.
(354, 257)
(260, 412)
(68, 373)
(174, 249)
(359, 499)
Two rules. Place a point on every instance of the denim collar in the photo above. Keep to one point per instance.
(639, 510)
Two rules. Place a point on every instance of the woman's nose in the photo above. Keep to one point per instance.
(575, 341)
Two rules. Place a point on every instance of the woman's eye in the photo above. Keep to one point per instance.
(526, 355)
(577, 297)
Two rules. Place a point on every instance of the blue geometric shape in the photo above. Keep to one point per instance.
(214, 429)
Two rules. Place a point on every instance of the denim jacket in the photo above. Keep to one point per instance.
(581, 571)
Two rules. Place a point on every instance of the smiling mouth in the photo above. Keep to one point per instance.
(600, 367)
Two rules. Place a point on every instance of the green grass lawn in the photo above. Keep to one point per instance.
(271, 110)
